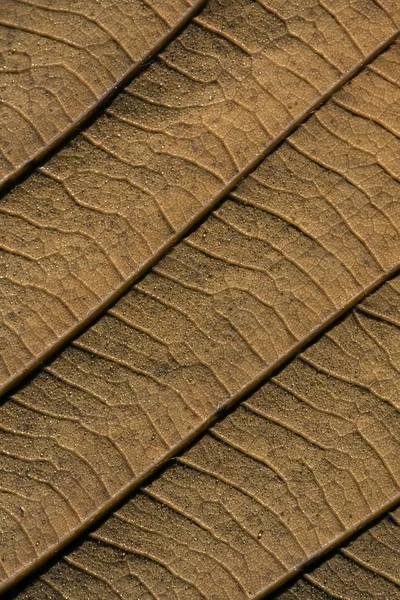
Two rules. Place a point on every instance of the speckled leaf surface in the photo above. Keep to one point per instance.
(102, 211)
(205, 273)
(365, 569)
(297, 469)
(61, 60)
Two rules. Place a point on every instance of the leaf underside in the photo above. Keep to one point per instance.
(208, 269)
(295, 469)
(62, 62)
(103, 210)
(365, 569)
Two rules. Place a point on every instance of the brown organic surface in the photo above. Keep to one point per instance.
(60, 59)
(95, 217)
(366, 569)
(296, 468)
(239, 295)
(207, 273)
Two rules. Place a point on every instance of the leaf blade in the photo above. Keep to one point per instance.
(258, 485)
(51, 295)
(114, 54)
(111, 368)
(359, 564)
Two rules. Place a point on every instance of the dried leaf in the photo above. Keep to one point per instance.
(268, 134)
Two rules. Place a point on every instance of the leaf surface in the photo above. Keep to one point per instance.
(302, 239)
(99, 214)
(366, 569)
(61, 61)
(294, 471)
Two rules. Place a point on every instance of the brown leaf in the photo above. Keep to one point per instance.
(61, 62)
(297, 469)
(98, 215)
(366, 569)
(279, 123)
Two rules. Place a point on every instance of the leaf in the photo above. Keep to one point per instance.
(99, 214)
(366, 569)
(62, 62)
(299, 242)
(300, 466)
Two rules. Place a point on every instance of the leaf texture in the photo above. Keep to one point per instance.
(367, 569)
(61, 60)
(87, 224)
(280, 124)
(298, 467)
(302, 239)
